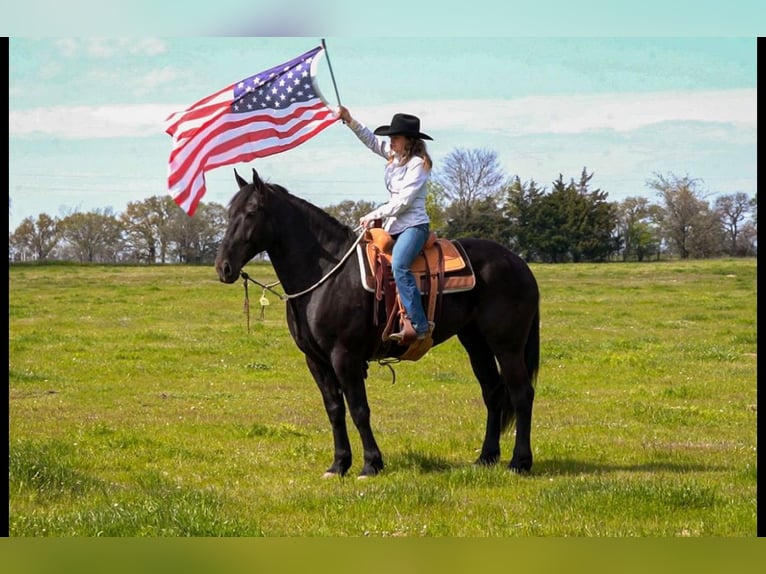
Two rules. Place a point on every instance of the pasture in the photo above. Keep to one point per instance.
(140, 405)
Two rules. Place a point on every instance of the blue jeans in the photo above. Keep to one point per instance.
(409, 243)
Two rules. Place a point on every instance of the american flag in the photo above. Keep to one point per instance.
(270, 112)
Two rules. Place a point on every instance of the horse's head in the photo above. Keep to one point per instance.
(249, 230)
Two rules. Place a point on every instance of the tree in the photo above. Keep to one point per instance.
(196, 239)
(548, 227)
(435, 207)
(733, 210)
(35, 239)
(747, 243)
(350, 212)
(521, 201)
(468, 177)
(595, 222)
(684, 209)
(636, 225)
(142, 223)
(485, 220)
(94, 237)
(574, 223)
(706, 238)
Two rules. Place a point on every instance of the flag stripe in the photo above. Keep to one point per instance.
(207, 108)
(270, 112)
(192, 154)
(194, 189)
(236, 142)
(218, 127)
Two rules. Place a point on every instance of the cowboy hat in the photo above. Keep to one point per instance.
(404, 125)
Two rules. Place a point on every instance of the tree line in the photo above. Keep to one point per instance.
(468, 195)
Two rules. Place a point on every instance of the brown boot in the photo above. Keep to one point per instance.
(406, 336)
(431, 326)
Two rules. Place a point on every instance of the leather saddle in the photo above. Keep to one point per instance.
(442, 267)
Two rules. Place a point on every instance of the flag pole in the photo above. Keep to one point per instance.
(324, 46)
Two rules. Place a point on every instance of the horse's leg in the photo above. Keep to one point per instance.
(336, 412)
(351, 373)
(522, 394)
(492, 390)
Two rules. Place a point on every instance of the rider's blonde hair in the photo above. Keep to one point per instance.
(414, 147)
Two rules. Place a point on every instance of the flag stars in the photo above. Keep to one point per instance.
(275, 89)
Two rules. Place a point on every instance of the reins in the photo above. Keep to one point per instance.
(288, 296)
(285, 296)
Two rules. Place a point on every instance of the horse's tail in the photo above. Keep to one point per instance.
(532, 361)
(532, 349)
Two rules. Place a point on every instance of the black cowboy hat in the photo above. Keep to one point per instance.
(403, 125)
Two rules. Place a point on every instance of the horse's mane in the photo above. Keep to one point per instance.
(315, 214)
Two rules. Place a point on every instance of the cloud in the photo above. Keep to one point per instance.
(140, 83)
(88, 122)
(568, 114)
(106, 48)
(156, 78)
(546, 115)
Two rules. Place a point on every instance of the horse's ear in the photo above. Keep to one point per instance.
(260, 187)
(240, 181)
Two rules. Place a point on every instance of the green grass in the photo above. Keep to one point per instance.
(140, 405)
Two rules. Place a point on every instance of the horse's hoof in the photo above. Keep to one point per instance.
(370, 471)
(330, 474)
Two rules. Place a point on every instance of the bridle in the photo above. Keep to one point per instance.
(287, 296)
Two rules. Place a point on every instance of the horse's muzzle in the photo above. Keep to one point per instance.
(226, 273)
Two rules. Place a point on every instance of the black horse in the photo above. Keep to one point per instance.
(330, 317)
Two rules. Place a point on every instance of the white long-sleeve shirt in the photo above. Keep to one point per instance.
(406, 184)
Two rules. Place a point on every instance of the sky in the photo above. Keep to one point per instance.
(87, 111)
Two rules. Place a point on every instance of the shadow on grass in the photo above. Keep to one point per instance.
(427, 464)
(423, 462)
(567, 466)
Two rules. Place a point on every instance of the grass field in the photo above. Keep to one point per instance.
(140, 405)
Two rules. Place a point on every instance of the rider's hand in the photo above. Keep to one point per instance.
(344, 114)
